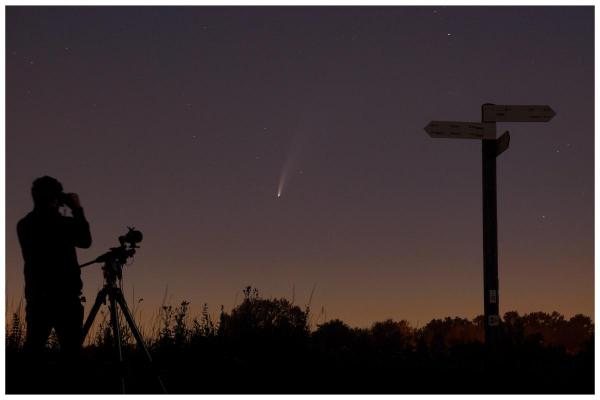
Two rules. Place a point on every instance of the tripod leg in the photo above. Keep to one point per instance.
(136, 334)
(117, 336)
(100, 298)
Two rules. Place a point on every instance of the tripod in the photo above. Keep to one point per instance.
(112, 268)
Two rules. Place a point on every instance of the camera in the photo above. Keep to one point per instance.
(132, 237)
(64, 200)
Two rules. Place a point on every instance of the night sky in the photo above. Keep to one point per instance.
(185, 122)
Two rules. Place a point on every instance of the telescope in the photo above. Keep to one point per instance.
(116, 257)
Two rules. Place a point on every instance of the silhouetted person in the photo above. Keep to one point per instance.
(52, 275)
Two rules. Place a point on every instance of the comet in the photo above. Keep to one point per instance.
(305, 130)
(283, 176)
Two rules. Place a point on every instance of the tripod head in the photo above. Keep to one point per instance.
(116, 257)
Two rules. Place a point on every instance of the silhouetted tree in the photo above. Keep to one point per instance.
(391, 337)
(333, 334)
(334, 341)
(578, 334)
(442, 334)
(264, 326)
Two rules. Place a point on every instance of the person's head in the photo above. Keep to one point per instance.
(46, 192)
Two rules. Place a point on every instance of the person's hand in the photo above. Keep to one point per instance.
(73, 200)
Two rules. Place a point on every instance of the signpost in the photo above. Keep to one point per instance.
(460, 130)
(491, 148)
(496, 113)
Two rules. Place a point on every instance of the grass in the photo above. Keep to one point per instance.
(269, 346)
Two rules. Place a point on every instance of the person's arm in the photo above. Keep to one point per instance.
(23, 240)
(82, 236)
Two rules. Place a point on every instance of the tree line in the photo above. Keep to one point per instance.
(267, 346)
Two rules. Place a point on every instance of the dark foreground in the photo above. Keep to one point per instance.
(464, 369)
(267, 346)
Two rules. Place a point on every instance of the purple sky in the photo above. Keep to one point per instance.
(181, 121)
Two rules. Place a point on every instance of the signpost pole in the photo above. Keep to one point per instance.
(490, 243)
